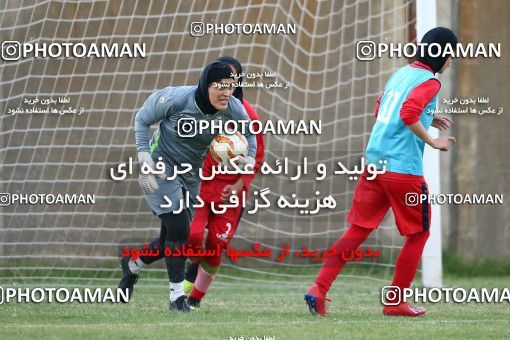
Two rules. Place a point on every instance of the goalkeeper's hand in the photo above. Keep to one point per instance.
(148, 182)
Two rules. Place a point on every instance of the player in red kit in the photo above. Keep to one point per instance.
(221, 227)
(404, 113)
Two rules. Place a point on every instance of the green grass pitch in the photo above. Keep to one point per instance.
(240, 308)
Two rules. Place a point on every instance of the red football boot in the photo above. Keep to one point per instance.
(403, 309)
(316, 301)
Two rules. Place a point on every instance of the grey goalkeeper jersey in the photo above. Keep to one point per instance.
(168, 106)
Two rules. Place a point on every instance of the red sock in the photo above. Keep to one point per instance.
(196, 294)
(351, 240)
(409, 259)
(202, 283)
(203, 280)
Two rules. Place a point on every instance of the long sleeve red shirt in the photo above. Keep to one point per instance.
(210, 191)
(418, 99)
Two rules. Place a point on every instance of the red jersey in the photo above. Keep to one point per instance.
(210, 191)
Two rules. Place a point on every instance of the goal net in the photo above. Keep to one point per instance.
(88, 129)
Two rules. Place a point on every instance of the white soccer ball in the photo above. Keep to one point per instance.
(225, 147)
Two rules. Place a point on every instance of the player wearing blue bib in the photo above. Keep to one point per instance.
(391, 139)
(404, 114)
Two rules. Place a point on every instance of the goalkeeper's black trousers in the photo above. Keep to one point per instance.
(174, 234)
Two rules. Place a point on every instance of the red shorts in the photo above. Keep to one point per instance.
(373, 198)
(221, 226)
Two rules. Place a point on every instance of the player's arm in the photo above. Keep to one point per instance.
(155, 109)
(442, 143)
(414, 105)
(228, 190)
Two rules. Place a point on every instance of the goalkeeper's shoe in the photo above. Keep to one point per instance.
(403, 309)
(128, 279)
(193, 303)
(316, 301)
(180, 305)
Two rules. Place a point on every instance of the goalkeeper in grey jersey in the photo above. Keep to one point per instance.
(177, 109)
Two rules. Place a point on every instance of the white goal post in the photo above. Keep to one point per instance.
(432, 266)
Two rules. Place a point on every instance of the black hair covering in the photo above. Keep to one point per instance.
(212, 72)
(441, 36)
(238, 92)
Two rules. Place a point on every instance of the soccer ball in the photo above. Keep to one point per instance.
(225, 147)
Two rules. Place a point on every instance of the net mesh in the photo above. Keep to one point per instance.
(73, 153)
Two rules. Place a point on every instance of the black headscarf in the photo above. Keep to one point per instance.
(212, 72)
(441, 36)
(238, 92)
